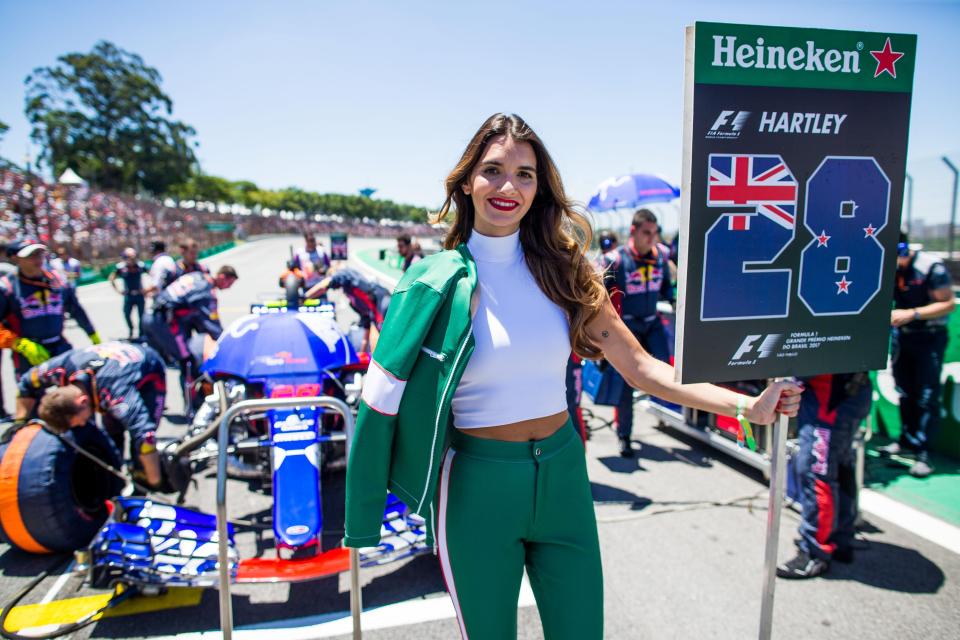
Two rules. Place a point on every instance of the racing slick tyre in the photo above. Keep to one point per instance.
(291, 284)
(53, 499)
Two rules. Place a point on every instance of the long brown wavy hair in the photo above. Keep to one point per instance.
(553, 234)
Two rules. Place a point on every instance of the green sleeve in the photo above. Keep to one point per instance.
(408, 320)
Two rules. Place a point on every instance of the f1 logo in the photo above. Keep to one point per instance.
(766, 347)
(734, 119)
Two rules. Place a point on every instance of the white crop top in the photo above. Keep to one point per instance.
(518, 367)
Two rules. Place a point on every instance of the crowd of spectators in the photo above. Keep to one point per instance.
(95, 226)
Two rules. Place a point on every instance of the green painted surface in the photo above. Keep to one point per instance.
(388, 266)
(938, 495)
(809, 58)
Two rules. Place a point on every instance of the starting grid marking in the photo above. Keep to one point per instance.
(46, 615)
(916, 522)
(340, 623)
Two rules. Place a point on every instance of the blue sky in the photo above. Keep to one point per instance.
(335, 96)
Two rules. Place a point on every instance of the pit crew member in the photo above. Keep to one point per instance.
(831, 409)
(187, 305)
(312, 261)
(124, 382)
(367, 298)
(131, 272)
(32, 308)
(637, 275)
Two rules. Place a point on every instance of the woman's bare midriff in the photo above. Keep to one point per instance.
(523, 431)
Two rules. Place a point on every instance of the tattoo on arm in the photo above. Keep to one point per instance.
(605, 333)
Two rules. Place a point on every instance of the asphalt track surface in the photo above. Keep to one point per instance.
(681, 530)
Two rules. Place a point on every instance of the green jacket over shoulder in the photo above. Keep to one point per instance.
(405, 415)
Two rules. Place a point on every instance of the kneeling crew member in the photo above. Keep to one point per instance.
(32, 308)
(124, 382)
(367, 298)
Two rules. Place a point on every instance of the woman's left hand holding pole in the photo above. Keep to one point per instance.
(780, 397)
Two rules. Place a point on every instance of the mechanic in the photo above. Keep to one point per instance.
(607, 241)
(131, 272)
(832, 407)
(162, 269)
(189, 261)
(367, 298)
(407, 250)
(124, 382)
(32, 308)
(637, 276)
(187, 305)
(8, 267)
(923, 300)
(312, 261)
(68, 268)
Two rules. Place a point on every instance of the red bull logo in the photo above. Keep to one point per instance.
(44, 302)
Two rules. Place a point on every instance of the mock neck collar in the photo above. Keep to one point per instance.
(490, 249)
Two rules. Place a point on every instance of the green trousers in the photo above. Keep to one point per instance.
(509, 505)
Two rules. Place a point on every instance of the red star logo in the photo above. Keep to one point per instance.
(822, 239)
(886, 60)
(869, 230)
(844, 285)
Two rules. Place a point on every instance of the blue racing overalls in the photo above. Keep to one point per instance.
(133, 297)
(831, 409)
(125, 381)
(34, 309)
(187, 305)
(636, 283)
(367, 298)
(918, 360)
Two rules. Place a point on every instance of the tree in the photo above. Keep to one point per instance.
(104, 114)
(4, 127)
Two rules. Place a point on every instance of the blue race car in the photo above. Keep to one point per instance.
(271, 353)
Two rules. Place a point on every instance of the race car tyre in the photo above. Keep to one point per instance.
(291, 285)
(53, 499)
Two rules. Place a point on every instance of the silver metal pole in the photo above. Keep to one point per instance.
(909, 203)
(863, 436)
(246, 406)
(778, 461)
(356, 593)
(953, 203)
(356, 602)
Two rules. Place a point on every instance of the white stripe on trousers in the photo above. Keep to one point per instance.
(442, 539)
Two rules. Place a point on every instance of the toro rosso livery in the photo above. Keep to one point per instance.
(280, 353)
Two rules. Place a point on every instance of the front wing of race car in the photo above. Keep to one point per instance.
(146, 543)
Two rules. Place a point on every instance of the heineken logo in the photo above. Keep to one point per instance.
(730, 51)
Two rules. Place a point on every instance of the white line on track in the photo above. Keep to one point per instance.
(335, 624)
(916, 522)
(58, 585)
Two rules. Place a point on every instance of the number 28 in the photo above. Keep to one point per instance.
(845, 207)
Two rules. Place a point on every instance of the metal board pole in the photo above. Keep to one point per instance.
(246, 406)
(953, 205)
(356, 593)
(778, 460)
(356, 602)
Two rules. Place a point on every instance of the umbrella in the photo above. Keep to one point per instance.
(632, 190)
(281, 345)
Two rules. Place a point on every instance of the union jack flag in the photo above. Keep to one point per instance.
(759, 181)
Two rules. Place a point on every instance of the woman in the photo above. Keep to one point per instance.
(464, 413)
